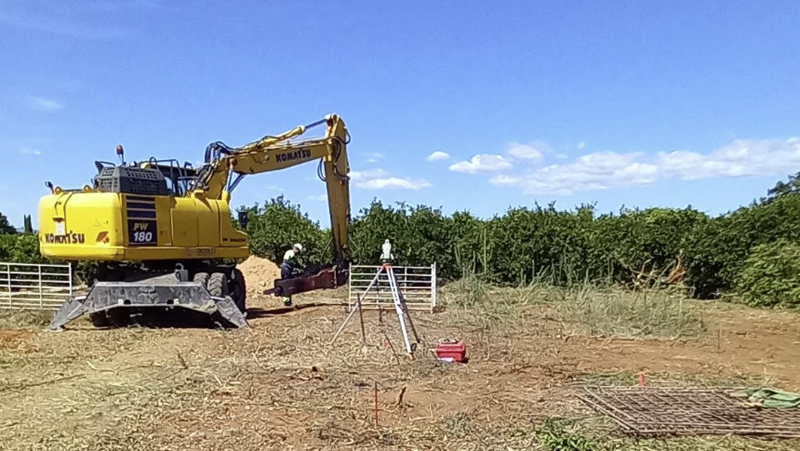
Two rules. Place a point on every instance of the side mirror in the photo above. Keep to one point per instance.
(243, 219)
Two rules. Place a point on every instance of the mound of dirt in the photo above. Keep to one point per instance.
(259, 273)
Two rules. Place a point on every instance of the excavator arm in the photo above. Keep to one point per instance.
(225, 167)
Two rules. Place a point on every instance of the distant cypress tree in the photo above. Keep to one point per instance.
(28, 224)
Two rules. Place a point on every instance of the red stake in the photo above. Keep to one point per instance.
(376, 404)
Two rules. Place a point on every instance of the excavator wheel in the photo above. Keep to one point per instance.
(109, 318)
(218, 285)
(100, 319)
(201, 278)
(238, 290)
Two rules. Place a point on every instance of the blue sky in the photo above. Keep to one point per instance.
(621, 103)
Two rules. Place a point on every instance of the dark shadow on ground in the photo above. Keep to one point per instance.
(166, 318)
(253, 313)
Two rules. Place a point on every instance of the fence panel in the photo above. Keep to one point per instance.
(417, 284)
(34, 286)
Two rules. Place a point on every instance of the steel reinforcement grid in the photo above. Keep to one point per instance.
(645, 411)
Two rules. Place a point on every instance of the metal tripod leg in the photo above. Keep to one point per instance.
(403, 315)
(352, 312)
(404, 306)
(398, 307)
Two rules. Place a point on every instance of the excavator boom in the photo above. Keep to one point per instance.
(273, 153)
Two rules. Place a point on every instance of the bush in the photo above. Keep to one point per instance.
(20, 248)
(640, 246)
(771, 275)
(555, 436)
(276, 226)
(5, 227)
(420, 236)
(721, 245)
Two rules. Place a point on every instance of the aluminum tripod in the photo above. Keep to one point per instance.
(399, 306)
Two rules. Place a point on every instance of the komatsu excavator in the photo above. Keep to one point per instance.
(162, 236)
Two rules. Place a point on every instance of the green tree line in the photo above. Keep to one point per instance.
(751, 250)
(542, 244)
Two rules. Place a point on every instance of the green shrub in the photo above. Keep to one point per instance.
(5, 227)
(276, 226)
(555, 437)
(721, 245)
(420, 236)
(20, 248)
(771, 275)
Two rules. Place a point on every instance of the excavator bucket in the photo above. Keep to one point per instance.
(325, 279)
(153, 293)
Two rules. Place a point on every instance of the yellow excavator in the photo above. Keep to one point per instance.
(160, 234)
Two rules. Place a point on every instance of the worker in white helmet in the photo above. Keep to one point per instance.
(288, 266)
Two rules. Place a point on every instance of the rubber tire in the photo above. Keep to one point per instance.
(218, 285)
(100, 319)
(119, 317)
(238, 290)
(201, 278)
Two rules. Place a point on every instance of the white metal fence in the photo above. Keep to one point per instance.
(31, 286)
(416, 283)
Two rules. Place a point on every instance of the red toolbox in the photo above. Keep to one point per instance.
(455, 351)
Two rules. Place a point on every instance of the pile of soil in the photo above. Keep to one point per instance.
(259, 273)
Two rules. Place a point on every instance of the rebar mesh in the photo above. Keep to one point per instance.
(689, 411)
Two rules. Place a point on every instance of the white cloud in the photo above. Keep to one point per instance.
(482, 163)
(373, 157)
(360, 176)
(609, 170)
(394, 183)
(318, 198)
(592, 172)
(438, 156)
(26, 151)
(741, 158)
(532, 151)
(43, 104)
(581, 145)
(380, 179)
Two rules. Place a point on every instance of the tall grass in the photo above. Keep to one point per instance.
(622, 312)
(583, 308)
(585, 305)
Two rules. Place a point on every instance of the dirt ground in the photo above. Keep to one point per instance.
(258, 274)
(282, 385)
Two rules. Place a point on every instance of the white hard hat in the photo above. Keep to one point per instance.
(298, 247)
